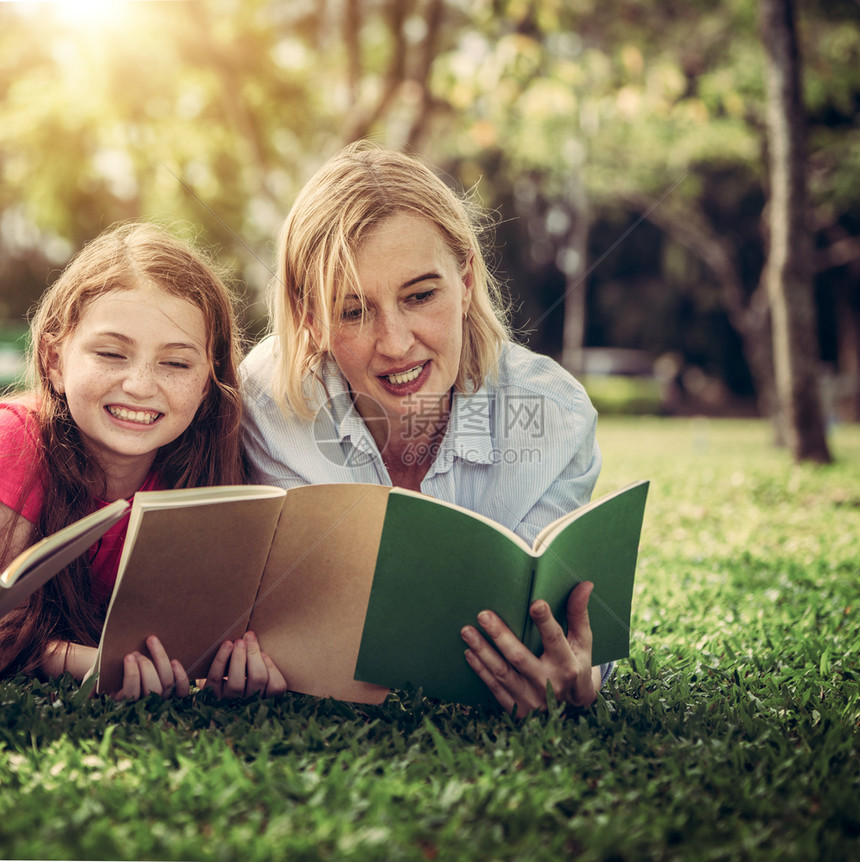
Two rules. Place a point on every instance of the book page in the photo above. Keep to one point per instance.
(188, 576)
(476, 516)
(545, 536)
(600, 545)
(179, 497)
(313, 597)
(37, 564)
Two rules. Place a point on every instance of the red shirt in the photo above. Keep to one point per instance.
(19, 447)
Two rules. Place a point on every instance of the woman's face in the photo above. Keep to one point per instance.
(400, 350)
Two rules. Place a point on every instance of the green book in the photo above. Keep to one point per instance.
(439, 565)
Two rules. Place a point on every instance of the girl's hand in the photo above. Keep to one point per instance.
(143, 675)
(518, 678)
(241, 669)
(65, 657)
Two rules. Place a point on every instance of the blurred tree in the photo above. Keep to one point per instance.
(693, 152)
(788, 272)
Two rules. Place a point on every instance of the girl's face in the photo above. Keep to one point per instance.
(134, 372)
(402, 350)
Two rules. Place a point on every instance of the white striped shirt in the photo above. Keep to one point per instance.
(521, 450)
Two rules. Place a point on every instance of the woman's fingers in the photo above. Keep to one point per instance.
(499, 692)
(578, 624)
(514, 678)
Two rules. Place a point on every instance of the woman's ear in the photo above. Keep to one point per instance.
(468, 277)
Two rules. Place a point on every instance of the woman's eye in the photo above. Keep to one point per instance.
(423, 296)
(107, 354)
(352, 314)
(176, 363)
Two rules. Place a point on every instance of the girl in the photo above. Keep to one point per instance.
(133, 371)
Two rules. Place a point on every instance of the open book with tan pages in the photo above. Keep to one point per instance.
(36, 565)
(355, 589)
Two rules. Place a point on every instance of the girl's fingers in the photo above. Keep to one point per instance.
(277, 683)
(256, 671)
(150, 682)
(218, 668)
(161, 663)
(234, 686)
(240, 668)
(130, 680)
(181, 684)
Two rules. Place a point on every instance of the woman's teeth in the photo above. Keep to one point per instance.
(405, 376)
(143, 416)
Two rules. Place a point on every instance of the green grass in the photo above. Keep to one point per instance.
(624, 394)
(731, 733)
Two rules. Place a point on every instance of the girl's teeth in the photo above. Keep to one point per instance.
(405, 376)
(142, 416)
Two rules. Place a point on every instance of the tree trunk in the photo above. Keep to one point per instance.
(788, 269)
(574, 265)
(749, 316)
(844, 251)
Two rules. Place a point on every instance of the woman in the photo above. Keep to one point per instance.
(390, 363)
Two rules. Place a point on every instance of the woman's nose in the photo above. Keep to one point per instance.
(394, 335)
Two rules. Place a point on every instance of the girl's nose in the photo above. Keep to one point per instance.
(140, 381)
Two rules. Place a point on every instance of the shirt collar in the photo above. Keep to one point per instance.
(467, 437)
(347, 420)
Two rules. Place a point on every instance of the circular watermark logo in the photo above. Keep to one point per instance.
(351, 452)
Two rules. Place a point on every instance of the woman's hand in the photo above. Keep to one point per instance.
(518, 678)
(241, 669)
(156, 674)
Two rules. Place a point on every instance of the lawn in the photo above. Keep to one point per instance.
(731, 732)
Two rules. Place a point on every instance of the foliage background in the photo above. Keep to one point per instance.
(619, 144)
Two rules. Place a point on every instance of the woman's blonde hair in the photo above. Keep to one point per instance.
(325, 230)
